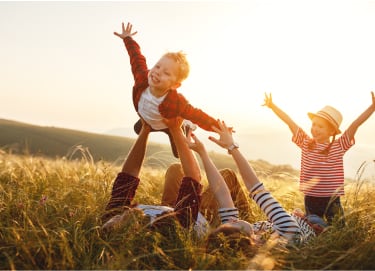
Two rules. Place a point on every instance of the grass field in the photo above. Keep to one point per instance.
(50, 209)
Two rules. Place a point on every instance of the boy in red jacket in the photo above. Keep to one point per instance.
(154, 92)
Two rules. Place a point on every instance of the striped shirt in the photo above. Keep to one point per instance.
(228, 214)
(322, 175)
(289, 226)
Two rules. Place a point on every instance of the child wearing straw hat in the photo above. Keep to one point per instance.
(322, 167)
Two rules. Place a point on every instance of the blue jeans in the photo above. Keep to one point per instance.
(325, 207)
(137, 129)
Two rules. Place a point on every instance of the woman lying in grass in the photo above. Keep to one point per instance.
(120, 208)
(293, 228)
(182, 196)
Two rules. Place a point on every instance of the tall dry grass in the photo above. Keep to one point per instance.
(49, 212)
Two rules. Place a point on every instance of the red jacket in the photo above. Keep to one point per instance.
(174, 104)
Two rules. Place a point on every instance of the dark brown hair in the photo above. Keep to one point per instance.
(230, 238)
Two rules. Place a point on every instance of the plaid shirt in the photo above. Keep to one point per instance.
(174, 104)
(187, 202)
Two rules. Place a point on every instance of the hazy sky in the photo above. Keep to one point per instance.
(61, 65)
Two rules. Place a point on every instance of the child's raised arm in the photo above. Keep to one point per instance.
(126, 32)
(362, 118)
(280, 113)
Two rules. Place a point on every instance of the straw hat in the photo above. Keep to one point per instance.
(330, 114)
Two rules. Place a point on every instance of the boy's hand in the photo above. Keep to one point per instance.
(188, 126)
(268, 100)
(126, 32)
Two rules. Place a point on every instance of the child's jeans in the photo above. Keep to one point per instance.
(137, 129)
(327, 207)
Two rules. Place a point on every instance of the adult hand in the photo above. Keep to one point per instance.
(195, 144)
(146, 128)
(174, 123)
(126, 32)
(225, 133)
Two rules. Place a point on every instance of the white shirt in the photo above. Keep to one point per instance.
(201, 225)
(148, 108)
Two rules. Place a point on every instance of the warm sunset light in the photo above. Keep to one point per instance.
(62, 66)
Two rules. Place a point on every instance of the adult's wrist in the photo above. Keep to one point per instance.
(232, 147)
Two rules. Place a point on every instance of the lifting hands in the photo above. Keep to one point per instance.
(126, 32)
(225, 133)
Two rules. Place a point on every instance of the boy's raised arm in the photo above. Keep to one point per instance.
(126, 32)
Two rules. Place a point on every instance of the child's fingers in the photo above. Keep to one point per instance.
(129, 27)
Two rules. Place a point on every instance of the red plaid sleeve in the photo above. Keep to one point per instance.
(175, 104)
(123, 192)
(188, 201)
(139, 69)
(199, 117)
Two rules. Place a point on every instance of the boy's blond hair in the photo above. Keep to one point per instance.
(184, 67)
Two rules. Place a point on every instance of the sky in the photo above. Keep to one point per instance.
(61, 65)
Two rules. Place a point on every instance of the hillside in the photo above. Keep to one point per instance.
(22, 138)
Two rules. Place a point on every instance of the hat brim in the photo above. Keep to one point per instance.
(312, 115)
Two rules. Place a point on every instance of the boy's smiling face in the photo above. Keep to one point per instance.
(163, 76)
